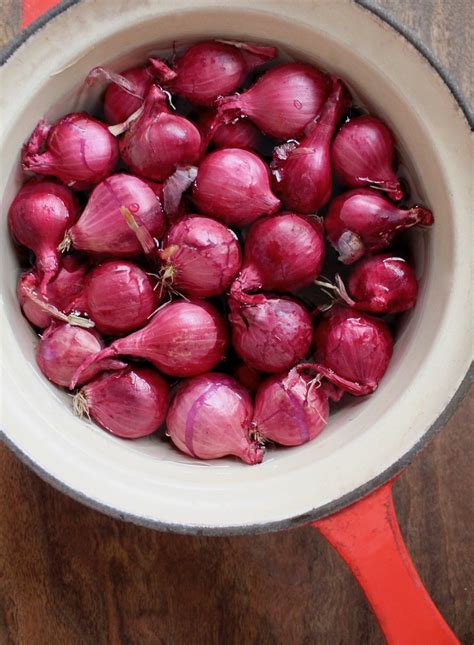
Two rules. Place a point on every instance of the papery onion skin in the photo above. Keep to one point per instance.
(210, 69)
(120, 104)
(102, 229)
(130, 403)
(79, 150)
(247, 376)
(184, 338)
(159, 141)
(352, 349)
(291, 408)
(61, 292)
(383, 284)
(201, 256)
(38, 218)
(282, 102)
(364, 221)
(271, 335)
(302, 175)
(362, 155)
(234, 185)
(210, 417)
(119, 297)
(283, 252)
(63, 348)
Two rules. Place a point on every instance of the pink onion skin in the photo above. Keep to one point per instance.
(63, 348)
(362, 155)
(282, 102)
(131, 403)
(80, 151)
(184, 338)
(38, 218)
(61, 292)
(120, 104)
(102, 228)
(364, 221)
(302, 176)
(159, 141)
(202, 255)
(290, 409)
(119, 297)
(383, 284)
(234, 185)
(247, 376)
(211, 69)
(283, 252)
(271, 335)
(239, 134)
(210, 417)
(352, 350)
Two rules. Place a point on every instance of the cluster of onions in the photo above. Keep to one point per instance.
(237, 196)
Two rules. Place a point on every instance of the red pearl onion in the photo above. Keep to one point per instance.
(125, 93)
(119, 297)
(283, 252)
(362, 155)
(102, 227)
(62, 350)
(80, 151)
(352, 350)
(382, 284)
(159, 141)
(234, 185)
(130, 404)
(182, 339)
(302, 175)
(271, 335)
(362, 221)
(292, 408)
(282, 102)
(210, 417)
(59, 296)
(38, 218)
(201, 257)
(212, 68)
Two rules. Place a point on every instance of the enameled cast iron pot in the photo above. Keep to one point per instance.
(365, 444)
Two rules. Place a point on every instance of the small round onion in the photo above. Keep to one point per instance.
(363, 220)
(383, 284)
(234, 186)
(283, 252)
(210, 417)
(272, 334)
(131, 403)
(184, 338)
(38, 218)
(352, 350)
(292, 408)
(119, 297)
(80, 151)
(201, 257)
(62, 350)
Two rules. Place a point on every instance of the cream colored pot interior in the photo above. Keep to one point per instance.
(146, 480)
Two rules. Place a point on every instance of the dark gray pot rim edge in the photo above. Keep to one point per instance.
(335, 505)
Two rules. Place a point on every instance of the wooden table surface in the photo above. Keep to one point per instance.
(70, 575)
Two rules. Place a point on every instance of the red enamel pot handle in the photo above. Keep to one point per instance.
(367, 537)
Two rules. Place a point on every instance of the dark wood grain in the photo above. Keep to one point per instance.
(70, 575)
